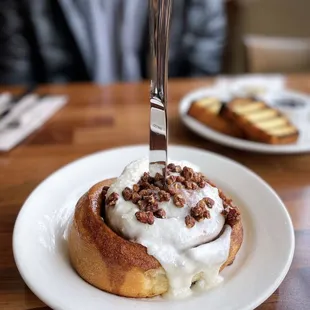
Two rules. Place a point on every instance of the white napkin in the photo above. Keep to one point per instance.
(25, 117)
(250, 84)
(5, 99)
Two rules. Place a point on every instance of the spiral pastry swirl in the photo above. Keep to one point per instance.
(142, 236)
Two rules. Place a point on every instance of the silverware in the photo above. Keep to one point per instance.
(20, 106)
(160, 11)
(17, 99)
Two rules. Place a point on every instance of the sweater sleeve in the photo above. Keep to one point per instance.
(15, 65)
(204, 37)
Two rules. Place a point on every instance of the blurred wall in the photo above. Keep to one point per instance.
(287, 18)
(277, 17)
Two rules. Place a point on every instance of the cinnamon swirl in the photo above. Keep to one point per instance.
(141, 236)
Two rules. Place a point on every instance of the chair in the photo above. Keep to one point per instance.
(277, 54)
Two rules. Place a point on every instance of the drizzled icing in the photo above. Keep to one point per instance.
(182, 252)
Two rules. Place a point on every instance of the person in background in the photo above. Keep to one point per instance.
(104, 41)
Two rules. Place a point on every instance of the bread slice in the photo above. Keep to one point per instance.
(207, 111)
(260, 122)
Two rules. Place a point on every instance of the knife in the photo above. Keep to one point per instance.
(160, 11)
(17, 99)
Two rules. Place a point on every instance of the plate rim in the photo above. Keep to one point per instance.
(212, 135)
(258, 301)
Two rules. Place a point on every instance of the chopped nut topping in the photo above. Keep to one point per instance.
(232, 217)
(226, 204)
(178, 169)
(171, 180)
(194, 186)
(112, 199)
(224, 212)
(200, 212)
(173, 188)
(196, 177)
(135, 197)
(145, 185)
(150, 191)
(160, 213)
(190, 185)
(136, 188)
(145, 217)
(180, 179)
(142, 204)
(158, 177)
(151, 180)
(171, 167)
(177, 186)
(150, 199)
(159, 184)
(206, 214)
(189, 221)
(199, 218)
(145, 177)
(202, 183)
(163, 196)
(179, 201)
(201, 203)
(127, 193)
(152, 207)
(200, 175)
(209, 202)
(187, 173)
(155, 188)
(145, 192)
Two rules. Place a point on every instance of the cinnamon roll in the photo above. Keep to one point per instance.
(141, 236)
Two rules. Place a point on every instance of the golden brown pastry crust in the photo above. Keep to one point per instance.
(114, 264)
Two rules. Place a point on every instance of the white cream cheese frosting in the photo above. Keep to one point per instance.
(181, 251)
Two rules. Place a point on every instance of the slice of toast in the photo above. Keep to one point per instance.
(260, 122)
(207, 111)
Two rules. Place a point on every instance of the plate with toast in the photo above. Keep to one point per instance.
(271, 122)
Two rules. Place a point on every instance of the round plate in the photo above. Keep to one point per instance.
(40, 247)
(298, 113)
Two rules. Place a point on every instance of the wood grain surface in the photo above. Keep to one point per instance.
(101, 117)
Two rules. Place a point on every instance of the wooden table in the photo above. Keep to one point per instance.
(101, 117)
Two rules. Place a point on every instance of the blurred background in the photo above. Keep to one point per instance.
(105, 41)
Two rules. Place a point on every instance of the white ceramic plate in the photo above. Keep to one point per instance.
(299, 115)
(40, 248)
